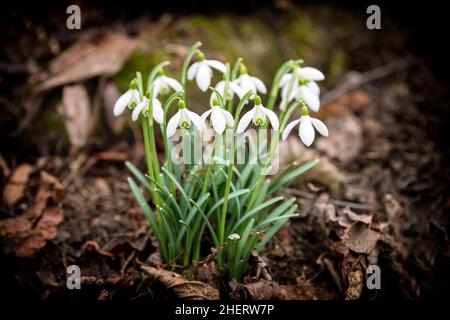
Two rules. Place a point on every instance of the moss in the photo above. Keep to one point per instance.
(143, 61)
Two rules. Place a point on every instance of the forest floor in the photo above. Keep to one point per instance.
(379, 196)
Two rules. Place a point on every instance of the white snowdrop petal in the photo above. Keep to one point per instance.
(313, 87)
(285, 79)
(260, 86)
(245, 83)
(203, 77)
(236, 89)
(192, 71)
(220, 86)
(245, 120)
(216, 64)
(157, 86)
(174, 84)
(172, 125)
(306, 131)
(138, 109)
(205, 115)
(311, 99)
(273, 118)
(228, 117)
(195, 118)
(320, 127)
(310, 74)
(217, 120)
(122, 102)
(158, 113)
(289, 128)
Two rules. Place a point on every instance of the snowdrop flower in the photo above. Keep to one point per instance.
(162, 85)
(302, 89)
(305, 87)
(234, 236)
(202, 71)
(305, 73)
(258, 115)
(183, 119)
(220, 117)
(144, 106)
(129, 99)
(233, 88)
(306, 127)
(247, 82)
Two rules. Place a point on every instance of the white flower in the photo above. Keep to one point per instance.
(258, 115)
(202, 71)
(144, 105)
(220, 117)
(305, 87)
(305, 73)
(130, 97)
(234, 236)
(247, 82)
(306, 128)
(308, 91)
(162, 85)
(233, 88)
(183, 119)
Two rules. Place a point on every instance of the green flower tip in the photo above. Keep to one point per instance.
(215, 102)
(258, 100)
(181, 104)
(201, 56)
(160, 73)
(242, 69)
(305, 111)
(133, 84)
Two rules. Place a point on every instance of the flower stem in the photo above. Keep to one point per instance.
(186, 63)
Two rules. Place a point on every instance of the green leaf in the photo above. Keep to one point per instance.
(148, 213)
(287, 179)
(139, 175)
(255, 211)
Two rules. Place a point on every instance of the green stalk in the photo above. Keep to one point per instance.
(230, 168)
(285, 67)
(273, 148)
(233, 76)
(186, 63)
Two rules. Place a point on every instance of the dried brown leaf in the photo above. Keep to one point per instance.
(110, 96)
(15, 187)
(263, 290)
(75, 110)
(361, 238)
(27, 234)
(180, 287)
(99, 53)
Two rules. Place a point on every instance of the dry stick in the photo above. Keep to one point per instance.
(339, 203)
(358, 79)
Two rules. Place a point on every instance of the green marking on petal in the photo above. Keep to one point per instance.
(185, 125)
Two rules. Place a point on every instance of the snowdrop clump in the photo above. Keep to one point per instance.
(231, 206)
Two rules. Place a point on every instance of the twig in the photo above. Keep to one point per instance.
(357, 79)
(339, 203)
